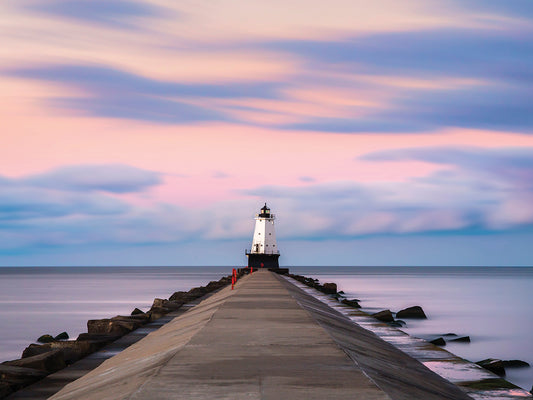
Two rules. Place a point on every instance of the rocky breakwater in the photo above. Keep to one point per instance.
(478, 385)
(55, 353)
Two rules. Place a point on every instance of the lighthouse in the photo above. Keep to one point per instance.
(264, 251)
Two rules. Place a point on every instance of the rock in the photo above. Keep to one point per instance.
(463, 339)
(5, 389)
(157, 312)
(138, 320)
(214, 285)
(197, 292)
(169, 304)
(415, 312)
(179, 296)
(110, 327)
(493, 365)
(76, 350)
(158, 302)
(62, 336)
(36, 349)
(137, 312)
(352, 303)
(403, 323)
(449, 334)
(100, 338)
(438, 341)
(50, 361)
(10, 370)
(341, 292)
(18, 377)
(395, 324)
(515, 364)
(329, 288)
(72, 350)
(385, 316)
(45, 339)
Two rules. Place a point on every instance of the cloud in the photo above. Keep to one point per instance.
(115, 178)
(71, 191)
(80, 206)
(517, 8)
(120, 94)
(492, 69)
(110, 12)
(450, 52)
(21, 203)
(477, 190)
(509, 166)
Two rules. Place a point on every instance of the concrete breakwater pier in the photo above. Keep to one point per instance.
(268, 338)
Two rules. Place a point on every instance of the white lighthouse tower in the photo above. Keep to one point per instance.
(264, 251)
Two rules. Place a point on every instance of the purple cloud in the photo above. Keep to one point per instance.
(117, 13)
(116, 178)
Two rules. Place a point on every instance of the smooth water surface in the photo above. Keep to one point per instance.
(35, 301)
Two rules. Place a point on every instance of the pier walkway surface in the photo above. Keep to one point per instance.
(267, 339)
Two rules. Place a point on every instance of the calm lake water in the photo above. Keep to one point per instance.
(491, 305)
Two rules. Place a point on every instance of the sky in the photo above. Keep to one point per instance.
(379, 133)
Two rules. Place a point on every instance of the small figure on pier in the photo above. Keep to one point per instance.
(264, 252)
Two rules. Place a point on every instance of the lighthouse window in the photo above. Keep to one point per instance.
(270, 234)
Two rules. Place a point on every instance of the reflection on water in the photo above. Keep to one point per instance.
(491, 305)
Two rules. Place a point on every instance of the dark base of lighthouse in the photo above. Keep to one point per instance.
(263, 260)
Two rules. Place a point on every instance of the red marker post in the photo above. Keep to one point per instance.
(233, 278)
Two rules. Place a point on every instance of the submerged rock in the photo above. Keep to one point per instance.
(493, 365)
(438, 341)
(463, 339)
(515, 364)
(414, 312)
(45, 339)
(385, 316)
(352, 303)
